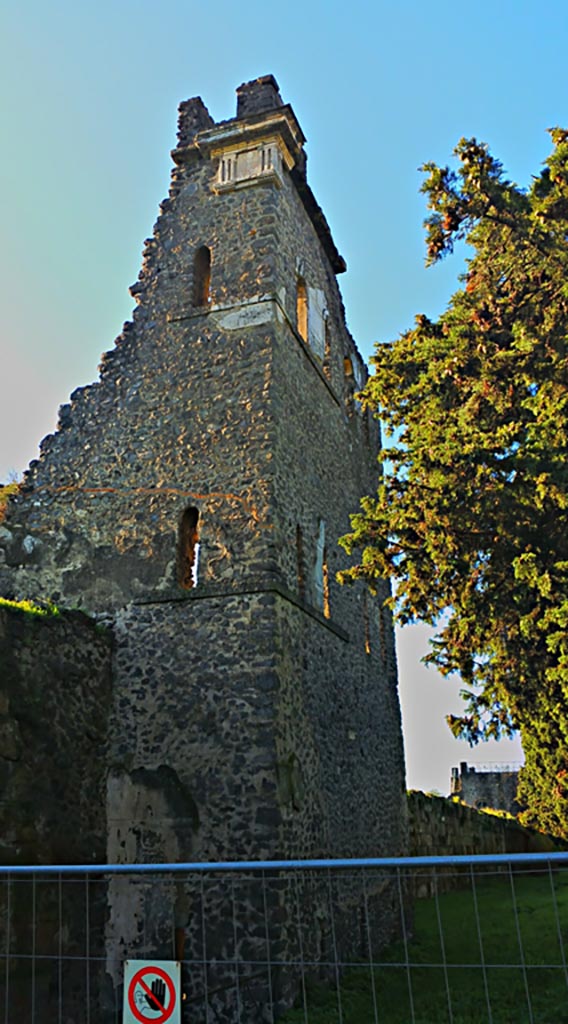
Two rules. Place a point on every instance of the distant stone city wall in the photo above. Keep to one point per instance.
(440, 828)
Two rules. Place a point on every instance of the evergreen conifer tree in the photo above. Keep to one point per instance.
(471, 519)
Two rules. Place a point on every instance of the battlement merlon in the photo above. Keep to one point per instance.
(260, 113)
(259, 95)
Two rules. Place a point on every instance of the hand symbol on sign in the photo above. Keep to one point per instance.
(157, 999)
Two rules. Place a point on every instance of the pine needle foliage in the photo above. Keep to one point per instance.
(470, 519)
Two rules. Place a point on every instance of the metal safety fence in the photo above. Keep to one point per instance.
(427, 940)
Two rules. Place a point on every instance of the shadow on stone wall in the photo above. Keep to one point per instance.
(55, 677)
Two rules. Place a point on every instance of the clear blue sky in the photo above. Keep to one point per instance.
(90, 92)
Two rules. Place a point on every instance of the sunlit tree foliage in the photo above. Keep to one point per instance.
(470, 519)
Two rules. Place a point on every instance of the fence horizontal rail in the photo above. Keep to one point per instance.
(403, 940)
(177, 867)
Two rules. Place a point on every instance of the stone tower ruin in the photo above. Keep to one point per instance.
(192, 500)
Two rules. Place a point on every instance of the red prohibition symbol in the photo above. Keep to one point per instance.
(166, 1009)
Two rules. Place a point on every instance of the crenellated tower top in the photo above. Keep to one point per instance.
(240, 144)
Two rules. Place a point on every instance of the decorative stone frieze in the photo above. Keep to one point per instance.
(251, 165)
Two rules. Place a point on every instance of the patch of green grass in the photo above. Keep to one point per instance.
(29, 607)
(518, 930)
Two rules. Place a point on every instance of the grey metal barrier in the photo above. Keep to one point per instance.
(423, 940)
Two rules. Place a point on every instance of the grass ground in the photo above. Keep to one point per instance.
(513, 931)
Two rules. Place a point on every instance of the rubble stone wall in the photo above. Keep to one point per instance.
(55, 679)
(256, 713)
(443, 828)
(55, 682)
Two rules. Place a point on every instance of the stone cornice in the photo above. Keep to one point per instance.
(238, 132)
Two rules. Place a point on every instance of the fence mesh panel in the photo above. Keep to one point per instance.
(401, 941)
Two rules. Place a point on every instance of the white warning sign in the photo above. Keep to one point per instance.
(152, 992)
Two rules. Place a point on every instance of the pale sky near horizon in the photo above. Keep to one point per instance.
(90, 93)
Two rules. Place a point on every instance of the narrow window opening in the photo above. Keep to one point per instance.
(302, 309)
(327, 349)
(349, 384)
(321, 573)
(301, 574)
(325, 585)
(366, 622)
(188, 549)
(202, 275)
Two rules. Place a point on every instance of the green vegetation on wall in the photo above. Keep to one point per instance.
(6, 492)
(29, 607)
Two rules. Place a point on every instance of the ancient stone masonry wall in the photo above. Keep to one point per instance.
(178, 396)
(192, 760)
(55, 674)
(193, 499)
(205, 710)
(442, 828)
(332, 741)
(98, 525)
